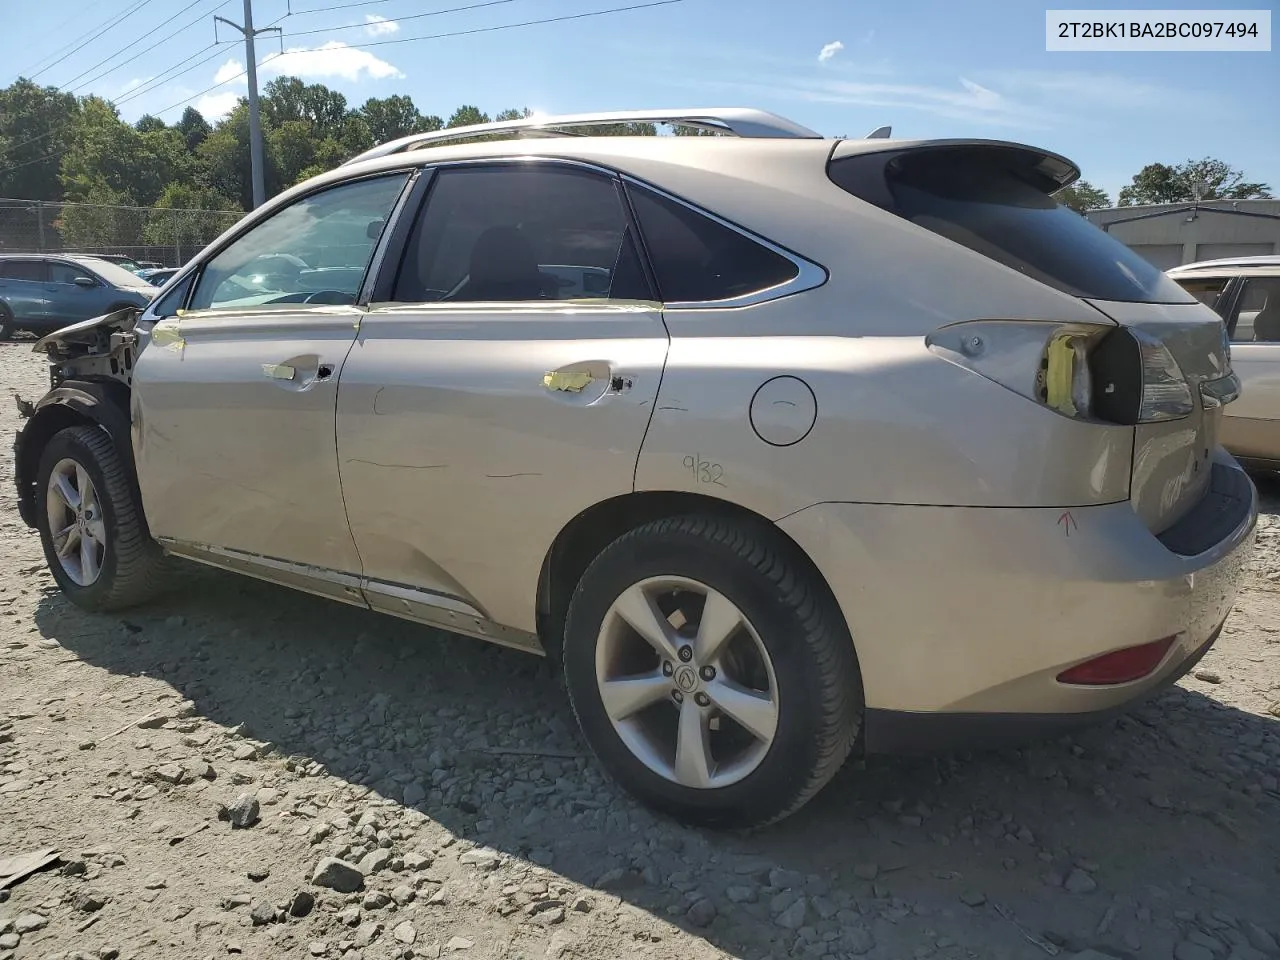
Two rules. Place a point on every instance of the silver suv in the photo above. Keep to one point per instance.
(774, 442)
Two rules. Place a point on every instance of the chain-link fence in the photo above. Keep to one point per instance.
(159, 234)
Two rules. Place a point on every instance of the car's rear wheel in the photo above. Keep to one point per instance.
(711, 672)
(6, 323)
(91, 524)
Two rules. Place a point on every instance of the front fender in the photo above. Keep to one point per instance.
(104, 404)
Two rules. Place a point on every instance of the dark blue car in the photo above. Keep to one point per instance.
(42, 293)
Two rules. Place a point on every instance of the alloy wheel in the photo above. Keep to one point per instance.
(687, 683)
(75, 522)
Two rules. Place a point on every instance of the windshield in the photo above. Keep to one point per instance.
(988, 203)
(113, 273)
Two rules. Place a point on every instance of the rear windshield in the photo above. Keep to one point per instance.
(993, 202)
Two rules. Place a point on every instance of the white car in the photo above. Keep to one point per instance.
(1245, 292)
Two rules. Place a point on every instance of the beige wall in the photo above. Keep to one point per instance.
(1177, 236)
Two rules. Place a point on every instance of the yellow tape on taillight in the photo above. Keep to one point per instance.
(1060, 374)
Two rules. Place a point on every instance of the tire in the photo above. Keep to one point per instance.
(130, 565)
(807, 665)
(6, 323)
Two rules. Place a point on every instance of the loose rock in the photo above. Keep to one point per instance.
(338, 875)
(244, 812)
(301, 904)
(1080, 882)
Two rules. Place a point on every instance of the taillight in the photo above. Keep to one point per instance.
(1119, 666)
(1085, 371)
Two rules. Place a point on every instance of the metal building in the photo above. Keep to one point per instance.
(1171, 234)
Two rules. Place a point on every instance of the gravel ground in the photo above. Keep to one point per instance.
(198, 763)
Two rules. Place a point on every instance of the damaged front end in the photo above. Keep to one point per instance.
(90, 378)
(100, 348)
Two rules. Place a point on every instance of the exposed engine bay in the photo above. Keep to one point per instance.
(102, 348)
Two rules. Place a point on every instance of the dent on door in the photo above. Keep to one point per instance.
(467, 441)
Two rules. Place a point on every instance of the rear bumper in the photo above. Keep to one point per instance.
(965, 617)
(900, 731)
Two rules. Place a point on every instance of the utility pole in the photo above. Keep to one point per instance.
(255, 120)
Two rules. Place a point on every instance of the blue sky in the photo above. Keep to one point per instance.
(931, 68)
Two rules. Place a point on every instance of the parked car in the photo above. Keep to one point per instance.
(158, 276)
(862, 440)
(150, 265)
(1245, 292)
(43, 293)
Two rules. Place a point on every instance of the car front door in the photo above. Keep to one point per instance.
(1251, 425)
(22, 291)
(233, 399)
(71, 299)
(481, 409)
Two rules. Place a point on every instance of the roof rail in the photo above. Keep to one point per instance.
(737, 121)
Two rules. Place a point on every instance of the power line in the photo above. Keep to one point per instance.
(505, 26)
(88, 33)
(167, 74)
(437, 36)
(109, 24)
(128, 48)
(378, 43)
(412, 16)
(339, 6)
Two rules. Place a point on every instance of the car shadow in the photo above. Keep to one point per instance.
(1163, 807)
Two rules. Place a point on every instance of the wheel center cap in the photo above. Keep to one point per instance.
(686, 678)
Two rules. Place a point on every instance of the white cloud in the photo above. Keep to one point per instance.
(215, 106)
(829, 50)
(333, 59)
(967, 101)
(379, 26)
(228, 71)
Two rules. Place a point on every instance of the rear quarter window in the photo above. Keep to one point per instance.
(994, 201)
(698, 260)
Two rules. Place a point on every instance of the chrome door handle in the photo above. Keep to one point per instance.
(278, 371)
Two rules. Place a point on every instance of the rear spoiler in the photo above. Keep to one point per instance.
(1046, 170)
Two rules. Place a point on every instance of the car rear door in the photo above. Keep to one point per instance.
(481, 409)
(22, 290)
(233, 400)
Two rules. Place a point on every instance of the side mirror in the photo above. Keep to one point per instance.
(374, 230)
(85, 282)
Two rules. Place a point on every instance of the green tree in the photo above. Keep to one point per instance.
(37, 125)
(288, 98)
(110, 155)
(466, 116)
(189, 217)
(511, 113)
(149, 124)
(1082, 196)
(389, 118)
(193, 127)
(1217, 180)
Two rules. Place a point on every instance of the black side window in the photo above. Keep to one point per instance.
(697, 259)
(22, 270)
(171, 302)
(521, 232)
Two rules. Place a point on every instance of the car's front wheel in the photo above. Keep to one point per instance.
(711, 672)
(91, 525)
